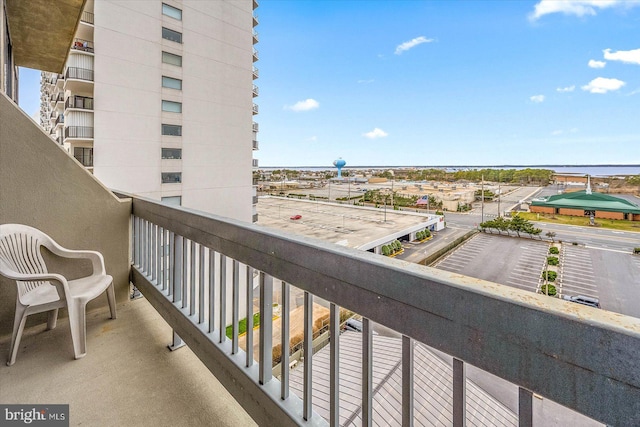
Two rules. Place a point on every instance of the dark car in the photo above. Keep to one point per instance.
(584, 300)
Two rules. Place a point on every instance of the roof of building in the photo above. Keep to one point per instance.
(433, 386)
(588, 201)
(346, 225)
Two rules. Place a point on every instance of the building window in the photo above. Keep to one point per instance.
(84, 155)
(171, 83)
(172, 130)
(170, 58)
(172, 200)
(171, 177)
(171, 12)
(171, 35)
(172, 107)
(171, 153)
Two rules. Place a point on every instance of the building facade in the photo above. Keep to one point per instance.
(157, 99)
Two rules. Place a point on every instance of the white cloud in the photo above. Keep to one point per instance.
(312, 139)
(566, 89)
(537, 98)
(365, 81)
(557, 132)
(375, 133)
(306, 105)
(603, 85)
(411, 43)
(596, 64)
(577, 7)
(626, 56)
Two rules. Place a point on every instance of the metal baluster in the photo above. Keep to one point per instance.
(307, 408)
(147, 249)
(136, 241)
(166, 256)
(185, 272)
(367, 373)
(525, 408)
(407, 381)
(334, 373)
(153, 256)
(285, 341)
(235, 306)
(212, 290)
(192, 283)
(178, 247)
(249, 336)
(159, 257)
(223, 297)
(143, 241)
(171, 267)
(266, 328)
(201, 310)
(459, 394)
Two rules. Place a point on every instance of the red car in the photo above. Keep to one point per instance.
(296, 217)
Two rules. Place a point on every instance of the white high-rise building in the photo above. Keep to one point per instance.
(157, 99)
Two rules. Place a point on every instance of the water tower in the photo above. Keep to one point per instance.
(339, 164)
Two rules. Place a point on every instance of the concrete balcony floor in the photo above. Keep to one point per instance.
(128, 376)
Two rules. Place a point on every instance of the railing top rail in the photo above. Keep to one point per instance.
(582, 358)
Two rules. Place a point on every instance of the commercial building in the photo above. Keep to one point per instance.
(160, 104)
(587, 203)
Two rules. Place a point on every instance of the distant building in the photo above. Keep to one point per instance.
(157, 99)
(586, 203)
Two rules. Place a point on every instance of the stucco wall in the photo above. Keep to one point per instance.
(42, 186)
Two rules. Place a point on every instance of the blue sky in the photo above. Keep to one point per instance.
(445, 82)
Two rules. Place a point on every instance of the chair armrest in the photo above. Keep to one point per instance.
(57, 280)
(96, 257)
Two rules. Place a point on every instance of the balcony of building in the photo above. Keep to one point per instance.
(79, 103)
(84, 133)
(255, 36)
(255, 72)
(254, 162)
(199, 273)
(255, 55)
(78, 80)
(255, 127)
(86, 17)
(255, 4)
(256, 146)
(82, 45)
(255, 20)
(254, 109)
(255, 90)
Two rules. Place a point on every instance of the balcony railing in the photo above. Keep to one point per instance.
(255, 145)
(256, 73)
(60, 119)
(83, 45)
(255, 109)
(255, 91)
(254, 163)
(79, 73)
(87, 17)
(81, 102)
(82, 132)
(255, 36)
(255, 127)
(194, 268)
(255, 55)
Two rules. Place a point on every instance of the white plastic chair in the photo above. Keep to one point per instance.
(40, 291)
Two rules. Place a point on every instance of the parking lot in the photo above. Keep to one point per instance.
(611, 276)
(506, 260)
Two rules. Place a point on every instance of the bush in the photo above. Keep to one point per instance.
(554, 250)
(420, 235)
(548, 290)
(427, 233)
(636, 250)
(385, 250)
(553, 260)
(397, 246)
(551, 276)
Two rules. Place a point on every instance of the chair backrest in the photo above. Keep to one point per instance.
(20, 252)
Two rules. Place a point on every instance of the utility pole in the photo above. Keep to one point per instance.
(499, 197)
(482, 191)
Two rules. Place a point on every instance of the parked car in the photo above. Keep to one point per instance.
(584, 300)
(296, 217)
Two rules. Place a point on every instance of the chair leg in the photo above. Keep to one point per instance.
(78, 326)
(53, 319)
(18, 327)
(111, 296)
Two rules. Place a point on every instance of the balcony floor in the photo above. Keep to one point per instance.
(128, 376)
